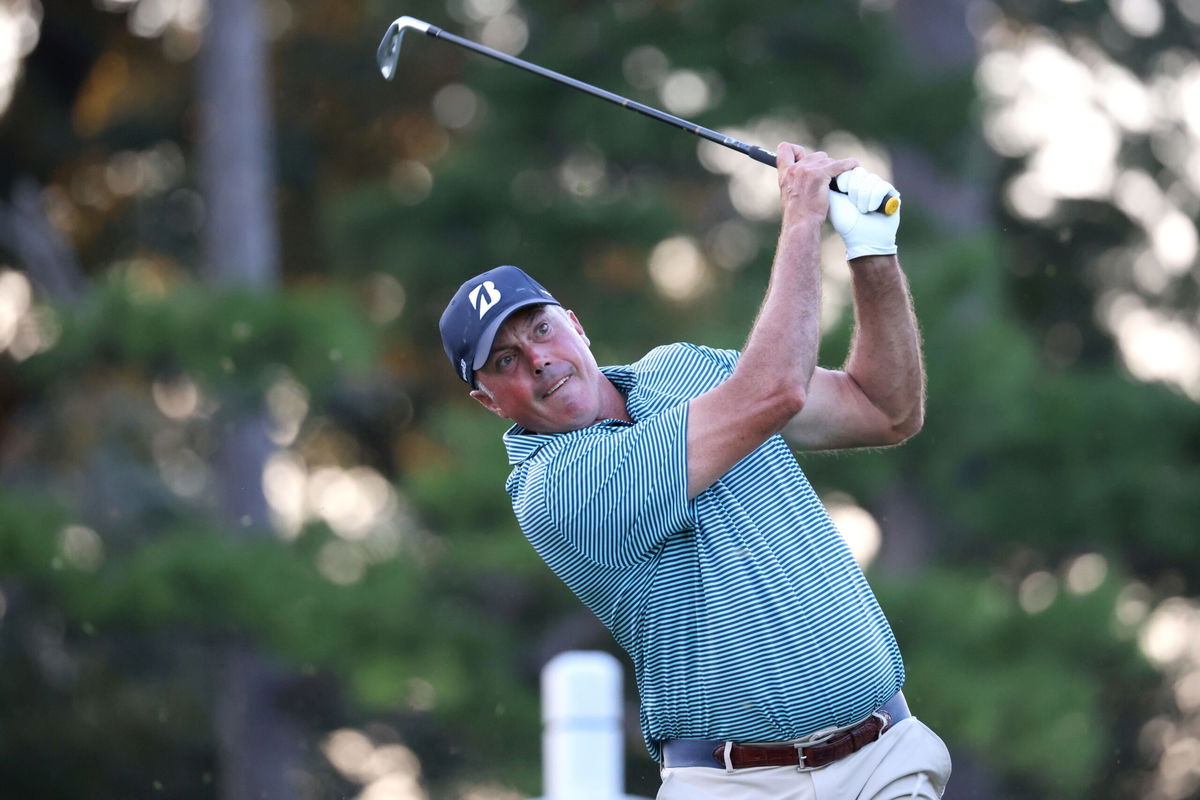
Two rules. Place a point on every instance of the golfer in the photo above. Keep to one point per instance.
(662, 495)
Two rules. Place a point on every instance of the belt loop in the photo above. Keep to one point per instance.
(728, 758)
(800, 757)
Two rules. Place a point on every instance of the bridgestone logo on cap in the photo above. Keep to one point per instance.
(482, 304)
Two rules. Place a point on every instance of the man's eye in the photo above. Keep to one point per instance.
(544, 328)
(503, 361)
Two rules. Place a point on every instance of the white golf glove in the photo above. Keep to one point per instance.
(865, 232)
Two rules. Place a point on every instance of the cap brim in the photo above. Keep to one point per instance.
(483, 345)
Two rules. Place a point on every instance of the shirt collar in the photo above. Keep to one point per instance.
(521, 444)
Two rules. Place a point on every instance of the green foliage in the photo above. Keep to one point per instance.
(1012, 686)
(1021, 452)
(374, 635)
(1024, 461)
(1018, 453)
(28, 542)
(233, 341)
(243, 587)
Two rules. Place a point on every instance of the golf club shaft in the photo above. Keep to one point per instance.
(889, 205)
(757, 153)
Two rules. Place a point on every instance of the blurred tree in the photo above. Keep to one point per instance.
(404, 605)
(1091, 106)
(259, 741)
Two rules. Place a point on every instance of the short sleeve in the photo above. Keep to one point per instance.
(725, 360)
(610, 496)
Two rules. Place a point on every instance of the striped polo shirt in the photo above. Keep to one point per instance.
(743, 610)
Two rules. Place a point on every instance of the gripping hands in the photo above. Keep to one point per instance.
(865, 232)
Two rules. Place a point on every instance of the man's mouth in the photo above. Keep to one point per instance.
(556, 386)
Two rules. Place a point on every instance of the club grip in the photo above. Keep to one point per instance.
(760, 155)
(889, 205)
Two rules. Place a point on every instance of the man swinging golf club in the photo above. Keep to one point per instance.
(662, 495)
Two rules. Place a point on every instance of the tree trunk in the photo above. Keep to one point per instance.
(236, 152)
(259, 742)
(939, 41)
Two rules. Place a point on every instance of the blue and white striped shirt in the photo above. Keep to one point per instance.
(744, 613)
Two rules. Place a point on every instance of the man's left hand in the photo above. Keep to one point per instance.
(865, 232)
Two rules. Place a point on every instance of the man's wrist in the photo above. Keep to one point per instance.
(874, 263)
(801, 222)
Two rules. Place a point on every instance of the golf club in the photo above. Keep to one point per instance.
(389, 54)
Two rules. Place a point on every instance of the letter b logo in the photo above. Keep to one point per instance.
(489, 298)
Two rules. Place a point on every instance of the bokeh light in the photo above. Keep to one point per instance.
(858, 527)
(20, 28)
(678, 269)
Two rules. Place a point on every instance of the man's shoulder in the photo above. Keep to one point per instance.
(524, 447)
(548, 459)
(681, 371)
(684, 356)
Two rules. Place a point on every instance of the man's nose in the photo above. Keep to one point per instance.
(539, 360)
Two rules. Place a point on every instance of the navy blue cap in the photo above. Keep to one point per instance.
(478, 309)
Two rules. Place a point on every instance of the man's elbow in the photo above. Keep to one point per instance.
(789, 401)
(779, 402)
(903, 430)
(779, 407)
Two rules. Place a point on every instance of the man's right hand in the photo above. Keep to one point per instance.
(804, 181)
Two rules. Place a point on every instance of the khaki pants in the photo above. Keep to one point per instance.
(909, 761)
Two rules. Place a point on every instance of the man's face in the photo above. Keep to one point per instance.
(540, 373)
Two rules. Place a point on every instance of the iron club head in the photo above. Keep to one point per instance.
(389, 49)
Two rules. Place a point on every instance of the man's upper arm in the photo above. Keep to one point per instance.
(838, 415)
(726, 426)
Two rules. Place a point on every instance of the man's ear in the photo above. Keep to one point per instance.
(487, 402)
(578, 327)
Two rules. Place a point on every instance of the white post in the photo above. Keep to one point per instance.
(582, 752)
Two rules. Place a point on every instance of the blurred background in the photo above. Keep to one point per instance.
(254, 540)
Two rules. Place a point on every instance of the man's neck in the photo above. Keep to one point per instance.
(612, 403)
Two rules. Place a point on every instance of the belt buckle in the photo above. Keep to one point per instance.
(728, 758)
(800, 767)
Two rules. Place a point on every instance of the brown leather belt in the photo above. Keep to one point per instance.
(734, 755)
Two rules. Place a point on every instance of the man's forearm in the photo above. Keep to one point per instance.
(785, 338)
(885, 353)
(771, 382)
